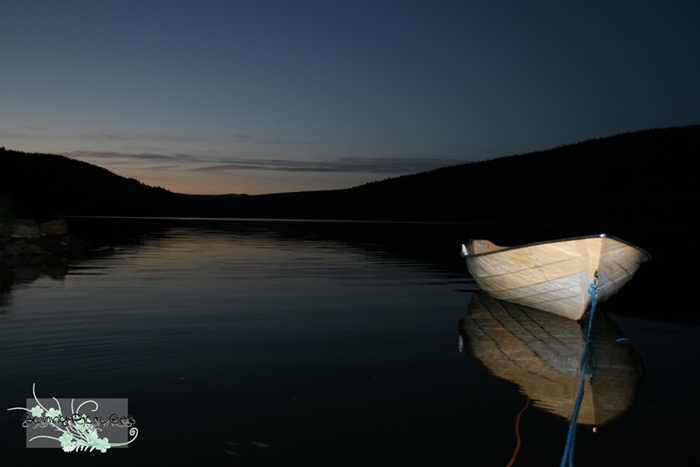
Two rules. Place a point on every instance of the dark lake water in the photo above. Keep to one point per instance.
(242, 343)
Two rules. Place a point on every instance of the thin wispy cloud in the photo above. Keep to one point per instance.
(119, 156)
(382, 165)
(25, 133)
(96, 135)
(399, 163)
(248, 139)
(245, 139)
(238, 138)
(144, 137)
(21, 135)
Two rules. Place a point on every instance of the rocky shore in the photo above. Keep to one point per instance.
(24, 240)
(29, 251)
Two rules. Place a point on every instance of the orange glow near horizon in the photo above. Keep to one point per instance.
(250, 182)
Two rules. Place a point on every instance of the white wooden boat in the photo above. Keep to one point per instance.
(554, 276)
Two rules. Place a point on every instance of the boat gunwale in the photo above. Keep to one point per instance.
(503, 249)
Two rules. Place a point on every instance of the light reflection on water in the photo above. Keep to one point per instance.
(331, 352)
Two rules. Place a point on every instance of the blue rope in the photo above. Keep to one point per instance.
(586, 368)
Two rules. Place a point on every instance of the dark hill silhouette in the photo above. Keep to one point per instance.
(47, 184)
(628, 179)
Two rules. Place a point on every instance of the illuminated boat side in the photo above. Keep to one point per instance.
(554, 276)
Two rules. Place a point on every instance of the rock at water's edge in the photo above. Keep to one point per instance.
(5, 229)
(54, 227)
(25, 228)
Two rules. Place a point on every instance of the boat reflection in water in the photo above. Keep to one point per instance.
(541, 353)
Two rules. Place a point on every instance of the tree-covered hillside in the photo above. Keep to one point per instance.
(635, 178)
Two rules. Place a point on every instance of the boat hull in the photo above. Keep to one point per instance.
(554, 276)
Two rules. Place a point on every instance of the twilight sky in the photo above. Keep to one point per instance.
(272, 96)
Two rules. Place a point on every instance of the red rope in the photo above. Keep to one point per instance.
(517, 433)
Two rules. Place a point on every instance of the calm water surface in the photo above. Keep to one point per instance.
(257, 344)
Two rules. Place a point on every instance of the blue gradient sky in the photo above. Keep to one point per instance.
(261, 96)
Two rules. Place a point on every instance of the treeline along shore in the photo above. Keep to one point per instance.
(628, 179)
